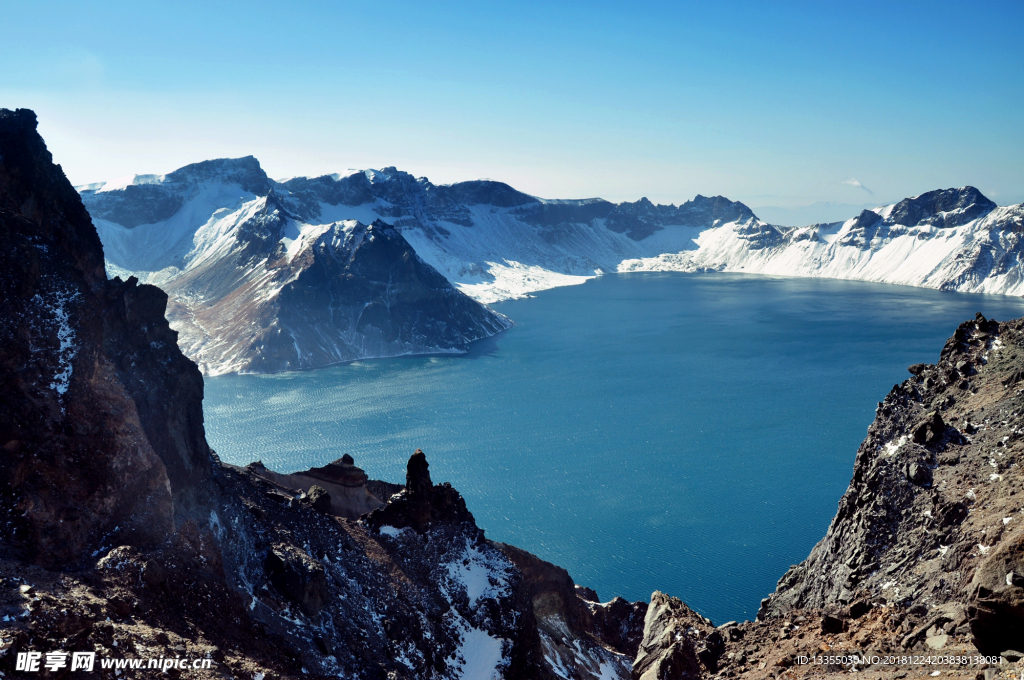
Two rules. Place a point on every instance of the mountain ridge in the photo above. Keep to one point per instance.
(496, 243)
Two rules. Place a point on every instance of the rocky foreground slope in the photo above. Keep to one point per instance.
(125, 537)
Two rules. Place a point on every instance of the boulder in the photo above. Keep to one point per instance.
(919, 473)
(677, 642)
(319, 499)
(831, 625)
(996, 612)
(298, 577)
(929, 431)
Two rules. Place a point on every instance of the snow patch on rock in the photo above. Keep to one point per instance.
(480, 655)
(478, 574)
(55, 315)
(393, 532)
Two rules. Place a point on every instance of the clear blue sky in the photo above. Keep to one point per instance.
(769, 103)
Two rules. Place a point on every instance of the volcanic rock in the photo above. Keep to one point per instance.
(677, 642)
(421, 504)
(997, 609)
(297, 576)
(343, 483)
(101, 418)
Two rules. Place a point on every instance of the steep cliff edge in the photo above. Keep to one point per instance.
(100, 415)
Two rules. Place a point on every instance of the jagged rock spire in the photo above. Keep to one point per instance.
(421, 505)
(419, 489)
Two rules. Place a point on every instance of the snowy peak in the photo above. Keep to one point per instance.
(148, 199)
(943, 208)
(939, 209)
(714, 210)
(260, 233)
(245, 172)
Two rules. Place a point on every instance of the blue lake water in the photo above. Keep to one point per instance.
(685, 433)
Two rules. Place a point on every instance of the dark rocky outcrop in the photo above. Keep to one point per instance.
(586, 636)
(641, 219)
(944, 208)
(100, 415)
(997, 598)
(422, 505)
(298, 577)
(638, 219)
(339, 488)
(677, 642)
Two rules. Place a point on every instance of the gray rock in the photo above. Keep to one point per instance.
(919, 473)
(298, 577)
(319, 499)
(677, 642)
(997, 609)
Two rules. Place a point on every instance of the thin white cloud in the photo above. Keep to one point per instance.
(854, 183)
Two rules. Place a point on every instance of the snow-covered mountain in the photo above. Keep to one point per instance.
(255, 285)
(263, 274)
(951, 239)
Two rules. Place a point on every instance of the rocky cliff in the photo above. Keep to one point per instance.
(100, 415)
(933, 518)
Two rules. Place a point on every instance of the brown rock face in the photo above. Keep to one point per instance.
(101, 423)
(343, 483)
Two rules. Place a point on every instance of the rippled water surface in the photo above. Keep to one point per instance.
(685, 433)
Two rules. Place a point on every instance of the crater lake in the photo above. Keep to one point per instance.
(690, 433)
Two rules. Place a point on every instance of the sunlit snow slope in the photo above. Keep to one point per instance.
(951, 239)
